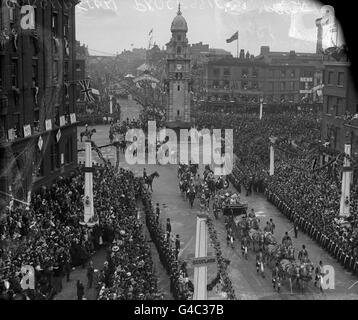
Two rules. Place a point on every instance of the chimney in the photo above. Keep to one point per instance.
(242, 54)
(265, 50)
(247, 55)
(319, 47)
(252, 57)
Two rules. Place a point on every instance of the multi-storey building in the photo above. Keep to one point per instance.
(277, 77)
(340, 106)
(178, 73)
(38, 116)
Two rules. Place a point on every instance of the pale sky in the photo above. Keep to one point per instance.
(111, 26)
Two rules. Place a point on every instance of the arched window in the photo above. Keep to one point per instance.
(178, 50)
(178, 87)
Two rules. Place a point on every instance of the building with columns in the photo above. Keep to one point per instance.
(178, 74)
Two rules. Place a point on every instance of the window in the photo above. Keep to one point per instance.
(3, 127)
(330, 77)
(292, 86)
(179, 37)
(255, 85)
(226, 85)
(270, 73)
(36, 120)
(292, 73)
(178, 87)
(55, 70)
(215, 84)
(282, 86)
(178, 112)
(54, 24)
(255, 73)
(216, 72)
(283, 73)
(14, 73)
(52, 157)
(244, 73)
(227, 72)
(68, 150)
(57, 115)
(65, 26)
(17, 125)
(78, 67)
(178, 50)
(340, 78)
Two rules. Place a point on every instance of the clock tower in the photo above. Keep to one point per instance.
(178, 73)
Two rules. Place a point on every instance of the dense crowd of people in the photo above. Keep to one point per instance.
(49, 237)
(310, 197)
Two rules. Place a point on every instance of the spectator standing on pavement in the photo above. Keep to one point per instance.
(177, 246)
(303, 254)
(80, 290)
(157, 212)
(319, 276)
(272, 225)
(144, 175)
(90, 272)
(169, 229)
(295, 228)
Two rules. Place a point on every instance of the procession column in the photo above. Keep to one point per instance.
(346, 181)
(88, 201)
(200, 271)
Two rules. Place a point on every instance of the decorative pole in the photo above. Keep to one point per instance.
(88, 199)
(261, 106)
(110, 106)
(346, 180)
(201, 246)
(272, 156)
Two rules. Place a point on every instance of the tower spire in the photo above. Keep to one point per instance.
(179, 12)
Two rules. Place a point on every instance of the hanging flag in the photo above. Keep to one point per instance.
(86, 90)
(40, 143)
(234, 37)
(58, 135)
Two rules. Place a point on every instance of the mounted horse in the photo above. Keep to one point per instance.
(149, 180)
(87, 133)
(297, 273)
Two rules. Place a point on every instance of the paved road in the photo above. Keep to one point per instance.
(247, 284)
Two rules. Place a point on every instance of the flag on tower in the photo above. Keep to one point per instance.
(234, 37)
(150, 32)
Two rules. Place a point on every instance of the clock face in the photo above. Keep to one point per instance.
(179, 66)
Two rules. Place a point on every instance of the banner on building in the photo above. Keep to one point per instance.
(73, 118)
(62, 121)
(48, 124)
(27, 131)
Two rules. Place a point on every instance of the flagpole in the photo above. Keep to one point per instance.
(237, 49)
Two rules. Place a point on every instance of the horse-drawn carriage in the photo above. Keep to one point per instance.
(229, 204)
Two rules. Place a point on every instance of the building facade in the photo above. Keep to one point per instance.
(277, 77)
(38, 116)
(178, 73)
(340, 106)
